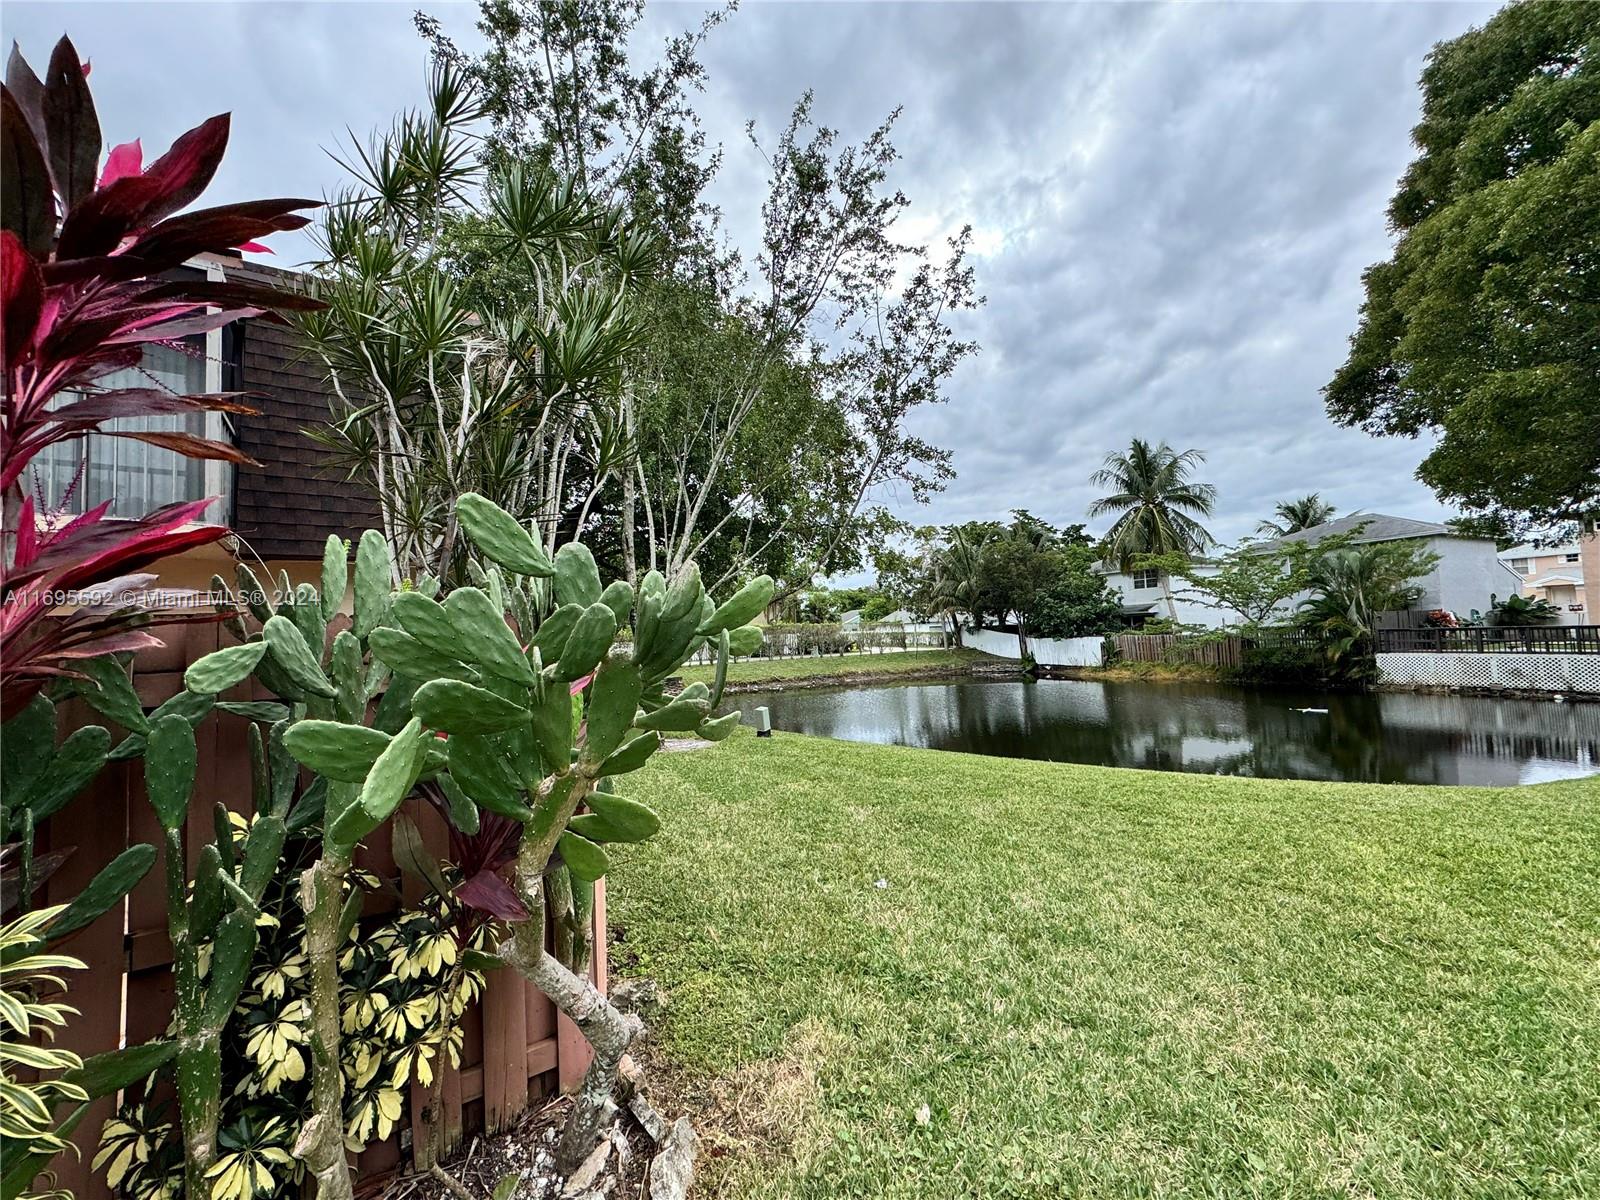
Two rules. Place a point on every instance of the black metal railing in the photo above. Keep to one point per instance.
(1529, 639)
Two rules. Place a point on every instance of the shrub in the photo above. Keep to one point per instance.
(405, 981)
(89, 275)
(30, 980)
(1284, 663)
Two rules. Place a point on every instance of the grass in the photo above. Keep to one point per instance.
(1109, 983)
(1162, 671)
(894, 665)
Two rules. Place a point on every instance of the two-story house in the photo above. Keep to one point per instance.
(281, 511)
(1557, 574)
(1147, 596)
(1466, 576)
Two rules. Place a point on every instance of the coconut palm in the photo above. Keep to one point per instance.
(1305, 512)
(1152, 498)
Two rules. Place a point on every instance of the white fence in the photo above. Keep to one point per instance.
(1519, 672)
(1047, 652)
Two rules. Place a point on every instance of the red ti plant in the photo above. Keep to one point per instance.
(89, 276)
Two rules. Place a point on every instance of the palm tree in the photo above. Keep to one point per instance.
(958, 575)
(1350, 587)
(1306, 512)
(1152, 497)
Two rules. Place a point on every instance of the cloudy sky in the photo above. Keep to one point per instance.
(1173, 204)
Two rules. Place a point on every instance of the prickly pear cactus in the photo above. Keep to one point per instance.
(513, 695)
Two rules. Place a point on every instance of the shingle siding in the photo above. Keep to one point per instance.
(287, 507)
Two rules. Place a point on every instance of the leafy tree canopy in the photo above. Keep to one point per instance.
(1480, 328)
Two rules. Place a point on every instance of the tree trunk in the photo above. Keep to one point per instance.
(199, 1050)
(630, 502)
(1166, 590)
(321, 1140)
(608, 1031)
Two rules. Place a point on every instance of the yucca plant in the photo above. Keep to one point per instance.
(441, 385)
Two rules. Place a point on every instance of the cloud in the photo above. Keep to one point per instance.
(1173, 204)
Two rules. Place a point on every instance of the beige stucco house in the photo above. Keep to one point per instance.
(1567, 575)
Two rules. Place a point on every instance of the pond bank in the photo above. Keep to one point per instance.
(850, 670)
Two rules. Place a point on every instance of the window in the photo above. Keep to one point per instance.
(1522, 566)
(136, 476)
(1146, 579)
(1572, 558)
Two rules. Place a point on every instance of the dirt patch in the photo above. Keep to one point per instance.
(761, 1113)
(525, 1154)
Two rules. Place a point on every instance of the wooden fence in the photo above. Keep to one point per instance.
(1226, 652)
(517, 1047)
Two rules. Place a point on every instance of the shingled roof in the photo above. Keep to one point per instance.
(287, 507)
(1379, 528)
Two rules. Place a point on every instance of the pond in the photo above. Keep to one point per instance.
(1212, 729)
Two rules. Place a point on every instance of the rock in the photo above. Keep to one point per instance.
(588, 1171)
(652, 1122)
(641, 996)
(672, 1171)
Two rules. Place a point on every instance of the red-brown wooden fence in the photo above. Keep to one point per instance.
(517, 1047)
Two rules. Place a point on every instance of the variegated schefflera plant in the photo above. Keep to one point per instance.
(513, 701)
(404, 990)
(41, 778)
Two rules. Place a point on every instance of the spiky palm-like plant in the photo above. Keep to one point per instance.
(958, 576)
(1155, 503)
(476, 333)
(1350, 587)
(1303, 512)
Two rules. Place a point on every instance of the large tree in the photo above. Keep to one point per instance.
(729, 471)
(1480, 328)
(1156, 505)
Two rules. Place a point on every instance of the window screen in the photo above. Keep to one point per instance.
(136, 476)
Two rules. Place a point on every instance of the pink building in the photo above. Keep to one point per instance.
(1568, 576)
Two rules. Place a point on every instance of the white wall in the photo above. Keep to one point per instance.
(1522, 672)
(1190, 612)
(1467, 574)
(1047, 652)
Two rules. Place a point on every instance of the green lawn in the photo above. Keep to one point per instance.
(1109, 983)
(856, 666)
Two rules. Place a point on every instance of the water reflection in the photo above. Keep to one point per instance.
(1214, 729)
